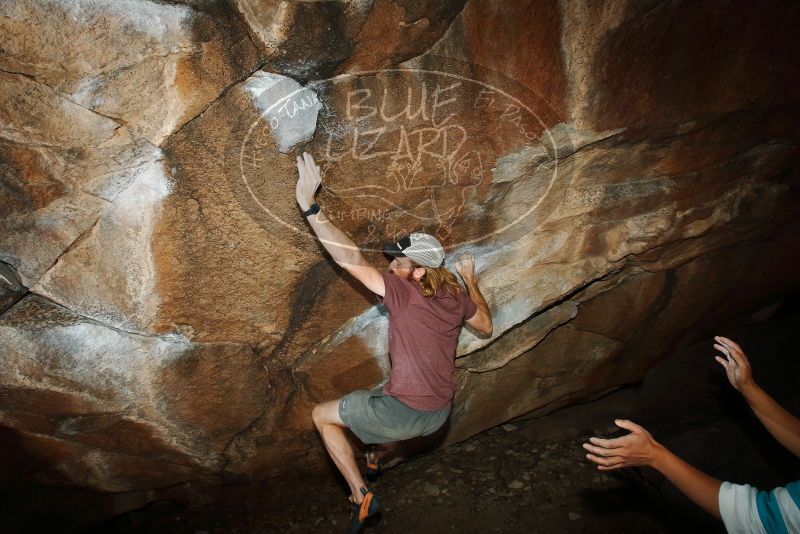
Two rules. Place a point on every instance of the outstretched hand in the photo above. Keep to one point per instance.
(308, 180)
(736, 364)
(637, 448)
(465, 265)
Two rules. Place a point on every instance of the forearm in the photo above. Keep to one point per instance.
(477, 297)
(483, 323)
(783, 426)
(701, 488)
(338, 244)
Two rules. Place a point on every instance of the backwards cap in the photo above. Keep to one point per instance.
(420, 247)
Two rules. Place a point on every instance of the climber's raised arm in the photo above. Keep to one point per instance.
(342, 249)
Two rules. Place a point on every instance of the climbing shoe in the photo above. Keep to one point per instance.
(373, 466)
(362, 511)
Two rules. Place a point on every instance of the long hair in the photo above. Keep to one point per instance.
(435, 278)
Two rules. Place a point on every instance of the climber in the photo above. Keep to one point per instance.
(427, 308)
(741, 507)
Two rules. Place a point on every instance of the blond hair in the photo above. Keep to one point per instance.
(435, 278)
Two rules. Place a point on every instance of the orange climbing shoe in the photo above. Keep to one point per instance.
(362, 511)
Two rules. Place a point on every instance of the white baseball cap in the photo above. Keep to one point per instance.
(420, 247)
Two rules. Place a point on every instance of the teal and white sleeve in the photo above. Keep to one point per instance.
(744, 509)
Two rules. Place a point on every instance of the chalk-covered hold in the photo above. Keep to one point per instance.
(289, 108)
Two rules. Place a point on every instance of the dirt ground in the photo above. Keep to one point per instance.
(526, 476)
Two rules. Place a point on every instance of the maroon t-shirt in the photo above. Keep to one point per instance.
(423, 333)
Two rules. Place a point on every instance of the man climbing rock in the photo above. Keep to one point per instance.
(427, 308)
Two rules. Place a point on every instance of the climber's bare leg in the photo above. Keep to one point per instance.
(331, 428)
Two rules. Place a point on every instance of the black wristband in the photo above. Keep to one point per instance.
(312, 210)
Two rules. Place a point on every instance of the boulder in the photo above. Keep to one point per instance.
(625, 174)
(313, 40)
(151, 66)
(114, 411)
(52, 191)
(11, 289)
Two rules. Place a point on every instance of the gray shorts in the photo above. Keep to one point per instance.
(377, 418)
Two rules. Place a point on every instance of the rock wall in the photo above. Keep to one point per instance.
(625, 173)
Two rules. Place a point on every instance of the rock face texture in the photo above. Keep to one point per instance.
(625, 172)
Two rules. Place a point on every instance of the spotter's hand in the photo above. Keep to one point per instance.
(736, 364)
(635, 449)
